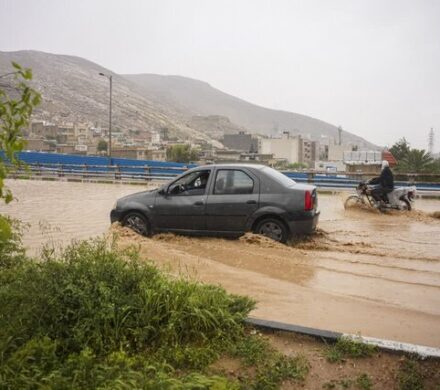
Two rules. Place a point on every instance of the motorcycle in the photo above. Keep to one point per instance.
(401, 198)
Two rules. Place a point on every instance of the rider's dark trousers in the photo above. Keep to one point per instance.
(379, 192)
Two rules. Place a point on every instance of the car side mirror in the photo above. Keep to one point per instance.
(175, 189)
(163, 190)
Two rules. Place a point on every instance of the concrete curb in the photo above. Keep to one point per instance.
(390, 345)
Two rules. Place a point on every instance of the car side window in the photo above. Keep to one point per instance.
(192, 184)
(233, 181)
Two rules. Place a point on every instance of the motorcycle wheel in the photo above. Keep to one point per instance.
(352, 201)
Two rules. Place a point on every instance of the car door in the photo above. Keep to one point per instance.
(233, 198)
(183, 206)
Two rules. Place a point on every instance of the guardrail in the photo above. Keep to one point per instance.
(141, 173)
(103, 172)
(344, 180)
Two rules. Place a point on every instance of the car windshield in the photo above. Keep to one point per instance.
(279, 177)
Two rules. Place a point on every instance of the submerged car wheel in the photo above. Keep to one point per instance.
(272, 228)
(137, 222)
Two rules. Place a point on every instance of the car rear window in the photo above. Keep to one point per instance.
(232, 181)
(279, 177)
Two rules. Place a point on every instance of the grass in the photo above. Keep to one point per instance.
(362, 382)
(409, 375)
(95, 317)
(270, 368)
(348, 348)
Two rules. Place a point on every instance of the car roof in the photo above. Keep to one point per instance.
(230, 165)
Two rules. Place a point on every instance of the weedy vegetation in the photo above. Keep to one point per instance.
(348, 348)
(362, 382)
(409, 375)
(96, 317)
(269, 368)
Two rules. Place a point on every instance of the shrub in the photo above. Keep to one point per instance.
(95, 317)
(409, 375)
(11, 248)
(346, 347)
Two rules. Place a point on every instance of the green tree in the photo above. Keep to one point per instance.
(297, 165)
(436, 166)
(15, 113)
(181, 153)
(102, 145)
(416, 161)
(400, 149)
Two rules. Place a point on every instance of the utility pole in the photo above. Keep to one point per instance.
(110, 78)
(340, 135)
(431, 142)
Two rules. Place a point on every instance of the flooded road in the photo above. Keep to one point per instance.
(363, 272)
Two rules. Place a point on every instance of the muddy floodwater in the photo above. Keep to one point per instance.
(363, 272)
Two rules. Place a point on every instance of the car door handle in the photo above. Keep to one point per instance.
(251, 202)
(199, 203)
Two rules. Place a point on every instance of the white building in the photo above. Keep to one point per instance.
(336, 152)
(286, 147)
(296, 149)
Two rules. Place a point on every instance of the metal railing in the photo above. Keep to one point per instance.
(103, 172)
(141, 173)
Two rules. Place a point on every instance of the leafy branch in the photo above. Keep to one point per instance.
(15, 113)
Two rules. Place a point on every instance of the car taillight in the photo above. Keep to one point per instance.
(308, 201)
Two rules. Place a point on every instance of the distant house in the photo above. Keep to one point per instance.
(241, 141)
(227, 156)
(294, 149)
(156, 155)
(66, 149)
(129, 152)
(138, 153)
(39, 145)
(367, 161)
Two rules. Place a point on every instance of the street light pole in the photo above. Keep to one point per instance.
(110, 78)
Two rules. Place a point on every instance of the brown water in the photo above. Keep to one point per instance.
(363, 272)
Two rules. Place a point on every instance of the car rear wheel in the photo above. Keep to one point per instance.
(137, 222)
(272, 228)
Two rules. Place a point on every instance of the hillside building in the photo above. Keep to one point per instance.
(367, 161)
(137, 153)
(241, 141)
(293, 149)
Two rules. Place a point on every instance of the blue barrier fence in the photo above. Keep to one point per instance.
(141, 169)
(104, 164)
(339, 181)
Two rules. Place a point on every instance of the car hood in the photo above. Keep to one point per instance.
(144, 195)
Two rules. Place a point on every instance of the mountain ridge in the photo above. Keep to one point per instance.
(71, 86)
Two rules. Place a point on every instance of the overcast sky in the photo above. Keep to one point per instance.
(372, 66)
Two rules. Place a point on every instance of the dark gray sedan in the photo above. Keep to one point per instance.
(225, 200)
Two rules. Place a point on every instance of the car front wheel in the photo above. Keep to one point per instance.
(137, 222)
(272, 228)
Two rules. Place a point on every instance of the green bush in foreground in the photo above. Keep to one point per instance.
(94, 317)
(97, 318)
(11, 249)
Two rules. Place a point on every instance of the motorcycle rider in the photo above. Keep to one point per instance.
(385, 183)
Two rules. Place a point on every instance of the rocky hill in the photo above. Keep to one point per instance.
(195, 97)
(73, 90)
